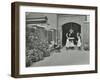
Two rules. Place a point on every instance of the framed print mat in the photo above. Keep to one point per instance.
(53, 39)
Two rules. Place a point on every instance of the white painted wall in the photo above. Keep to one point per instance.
(5, 40)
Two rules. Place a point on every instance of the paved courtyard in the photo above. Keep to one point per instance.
(65, 57)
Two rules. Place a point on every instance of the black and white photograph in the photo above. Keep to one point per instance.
(52, 39)
(57, 39)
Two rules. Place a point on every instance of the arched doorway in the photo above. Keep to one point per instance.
(66, 27)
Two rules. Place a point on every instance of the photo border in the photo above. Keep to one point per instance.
(15, 32)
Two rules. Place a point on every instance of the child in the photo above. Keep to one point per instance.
(79, 40)
(70, 36)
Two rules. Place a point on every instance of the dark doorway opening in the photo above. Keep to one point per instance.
(66, 27)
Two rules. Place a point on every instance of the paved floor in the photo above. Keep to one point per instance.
(65, 57)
